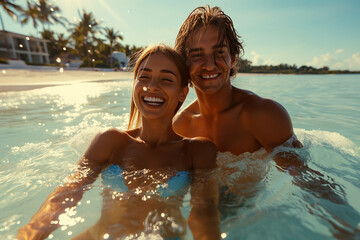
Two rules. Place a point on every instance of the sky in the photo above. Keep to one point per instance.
(302, 32)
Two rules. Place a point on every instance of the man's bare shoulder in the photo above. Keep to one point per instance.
(191, 109)
(267, 120)
(183, 118)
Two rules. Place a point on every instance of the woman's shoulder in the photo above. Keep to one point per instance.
(112, 136)
(104, 143)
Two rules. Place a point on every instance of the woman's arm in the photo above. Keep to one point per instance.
(61, 200)
(65, 197)
(204, 217)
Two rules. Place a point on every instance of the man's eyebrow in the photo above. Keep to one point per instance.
(194, 50)
(220, 45)
(168, 71)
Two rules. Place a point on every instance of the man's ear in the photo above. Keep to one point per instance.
(183, 93)
(233, 61)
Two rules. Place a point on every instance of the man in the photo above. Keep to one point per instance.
(235, 120)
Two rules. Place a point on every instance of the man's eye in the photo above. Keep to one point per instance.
(195, 55)
(219, 52)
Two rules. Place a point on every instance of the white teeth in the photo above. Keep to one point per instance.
(209, 76)
(153, 99)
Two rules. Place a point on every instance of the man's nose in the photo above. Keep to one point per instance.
(209, 62)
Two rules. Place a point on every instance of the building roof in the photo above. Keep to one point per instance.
(23, 36)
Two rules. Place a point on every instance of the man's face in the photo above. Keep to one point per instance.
(208, 60)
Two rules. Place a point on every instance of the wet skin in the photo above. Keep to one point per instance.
(235, 120)
(154, 147)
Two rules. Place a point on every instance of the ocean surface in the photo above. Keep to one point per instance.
(45, 131)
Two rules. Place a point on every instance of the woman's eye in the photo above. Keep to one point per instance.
(167, 80)
(143, 78)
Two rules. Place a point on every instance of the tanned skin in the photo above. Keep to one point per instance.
(155, 147)
(235, 120)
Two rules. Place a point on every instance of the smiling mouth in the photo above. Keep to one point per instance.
(209, 76)
(154, 101)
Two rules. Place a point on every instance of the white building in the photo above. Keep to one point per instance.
(121, 58)
(21, 47)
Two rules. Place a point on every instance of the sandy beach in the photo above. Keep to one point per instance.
(24, 79)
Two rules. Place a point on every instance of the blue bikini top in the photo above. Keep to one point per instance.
(175, 186)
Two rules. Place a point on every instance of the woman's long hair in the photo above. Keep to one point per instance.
(171, 54)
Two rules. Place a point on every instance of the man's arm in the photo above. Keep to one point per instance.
(204, 217)
(272, 127)
(269, 122)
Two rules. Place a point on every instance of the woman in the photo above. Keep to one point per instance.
(145, 168)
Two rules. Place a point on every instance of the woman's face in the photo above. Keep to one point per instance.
(157, 87)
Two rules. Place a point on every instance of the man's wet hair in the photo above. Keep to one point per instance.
(205, 16)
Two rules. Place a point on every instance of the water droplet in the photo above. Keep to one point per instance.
(106, 236)
(223, 235)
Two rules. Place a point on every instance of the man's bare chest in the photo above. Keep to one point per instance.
(227, 134)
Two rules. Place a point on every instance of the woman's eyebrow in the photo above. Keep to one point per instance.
(168, 71)
(145, 69)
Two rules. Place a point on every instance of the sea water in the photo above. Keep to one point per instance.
(44, 131)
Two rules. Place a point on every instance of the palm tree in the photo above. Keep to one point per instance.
(56, 45)
(43, 12)
(83, 33)
(9, 8)
(112, 36)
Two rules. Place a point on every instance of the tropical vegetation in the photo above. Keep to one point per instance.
(245, 66)
(88, 40)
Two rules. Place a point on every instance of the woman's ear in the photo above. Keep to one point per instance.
(183, 93)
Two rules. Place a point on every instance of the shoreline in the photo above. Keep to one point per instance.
(32, 78)
(27, 79)
(12, 79)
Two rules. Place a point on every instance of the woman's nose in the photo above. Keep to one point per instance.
(153, 84)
